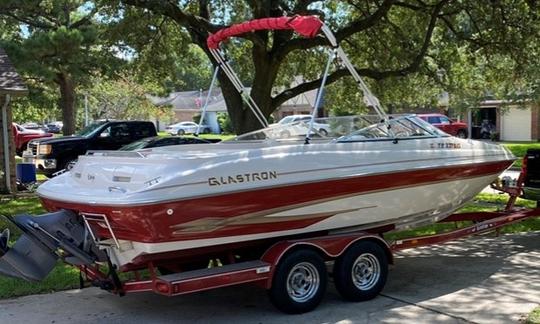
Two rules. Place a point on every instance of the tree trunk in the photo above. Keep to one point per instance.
(67, 102)
(242, 118)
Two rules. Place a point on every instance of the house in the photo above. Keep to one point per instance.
(511, 121)
(187, 104)
(11, 85)
(300, 105)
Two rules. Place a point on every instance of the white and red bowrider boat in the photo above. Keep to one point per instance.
(161, 206)
(260, 186)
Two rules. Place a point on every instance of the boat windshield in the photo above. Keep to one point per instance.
(286, 132)
(346, 129)
(397, 127)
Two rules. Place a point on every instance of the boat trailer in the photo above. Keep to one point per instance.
(355, 248)
(294, 270)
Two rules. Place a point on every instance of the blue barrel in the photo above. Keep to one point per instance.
(26, 172)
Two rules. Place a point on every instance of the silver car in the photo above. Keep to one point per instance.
(182, 128)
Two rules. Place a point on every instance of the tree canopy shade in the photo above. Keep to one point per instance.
(60, 42)
(390, 39)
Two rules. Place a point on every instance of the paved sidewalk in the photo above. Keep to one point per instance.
(477, 280)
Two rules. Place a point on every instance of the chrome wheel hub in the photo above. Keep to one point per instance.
(303, 282)
(366, 271)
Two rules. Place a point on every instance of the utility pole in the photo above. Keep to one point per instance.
(85, 109)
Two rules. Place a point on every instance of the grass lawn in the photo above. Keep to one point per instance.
(62, 277)
(534, 317)
(519, 149)
(65, 277)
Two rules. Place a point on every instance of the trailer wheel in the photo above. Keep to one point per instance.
(299, 282)
(360, 273)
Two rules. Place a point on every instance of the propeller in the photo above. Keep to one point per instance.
(4, 239)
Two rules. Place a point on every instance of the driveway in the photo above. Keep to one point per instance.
(477, 280)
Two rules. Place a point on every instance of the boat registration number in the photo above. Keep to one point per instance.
(445, 145)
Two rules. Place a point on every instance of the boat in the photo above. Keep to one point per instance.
(162, 205)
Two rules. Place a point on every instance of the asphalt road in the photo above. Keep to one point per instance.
(477, 280)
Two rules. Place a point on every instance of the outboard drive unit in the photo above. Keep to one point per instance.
(45, 238)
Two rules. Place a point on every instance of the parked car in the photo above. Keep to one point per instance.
(185, 127)
(321, 128)
(52, 155)
(446, 124)
(54, 127)
(159, 141)
(22, 136)
(34, 126)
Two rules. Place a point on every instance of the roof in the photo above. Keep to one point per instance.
(10, 81)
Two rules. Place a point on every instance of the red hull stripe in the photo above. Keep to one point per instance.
(152, 224)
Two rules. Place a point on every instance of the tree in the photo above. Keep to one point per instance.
(159, 53)
(60, 42)
(122, 98)
(390, 39)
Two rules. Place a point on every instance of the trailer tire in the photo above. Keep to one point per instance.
(360, 272)
(299, 282)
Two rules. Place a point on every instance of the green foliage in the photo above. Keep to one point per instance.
(57, 44)
(40, 105)
(534, 317)
(160, 52)
(476, 49)
(225, 123)
(122, 98)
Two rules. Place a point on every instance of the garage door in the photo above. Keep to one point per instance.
(516, 125)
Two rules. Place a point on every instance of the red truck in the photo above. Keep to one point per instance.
(22, 136)
(446, 124)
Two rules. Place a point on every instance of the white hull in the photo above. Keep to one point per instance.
(406, 208)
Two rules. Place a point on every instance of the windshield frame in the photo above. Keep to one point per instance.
(401, 121)
(432, 131)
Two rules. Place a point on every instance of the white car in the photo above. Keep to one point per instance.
(321, 128)
(182, 128)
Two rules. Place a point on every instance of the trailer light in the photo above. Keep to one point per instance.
(44, 149)
(162, 288)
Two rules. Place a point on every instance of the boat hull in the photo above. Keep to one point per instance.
(402, 198)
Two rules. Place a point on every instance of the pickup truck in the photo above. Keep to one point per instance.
(22, 136)
(446, 124)
(52, 155)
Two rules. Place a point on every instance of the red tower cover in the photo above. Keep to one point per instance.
(307, 26)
